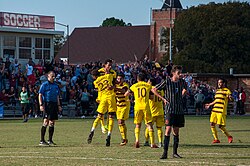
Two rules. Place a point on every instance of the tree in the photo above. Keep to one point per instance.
(213, 38)
(58, 43)
(109, 22)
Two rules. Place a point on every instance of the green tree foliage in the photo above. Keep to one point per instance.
(58, 43)
(109, 22)
(213, 38)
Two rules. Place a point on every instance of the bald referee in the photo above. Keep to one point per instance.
(49, 105)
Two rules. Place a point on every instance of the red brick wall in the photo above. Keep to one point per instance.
(160, 18)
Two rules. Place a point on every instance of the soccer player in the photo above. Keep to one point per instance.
(123, 106)
(219, 111)
(141, 91)
(107, 68)
(50, 105)
(174, 89)
(156, 108)
(104, 84)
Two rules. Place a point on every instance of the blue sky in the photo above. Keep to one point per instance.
(91, 13)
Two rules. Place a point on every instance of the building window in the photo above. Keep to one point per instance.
(39, 43)
(46, 43)
(9, 41)
(38, 54)
(9, 47)
(46, 54)
(25, 47)
(25, 42)
(24, 53)
(163, 39)
(42, 48)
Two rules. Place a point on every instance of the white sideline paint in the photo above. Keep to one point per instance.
(84, 158)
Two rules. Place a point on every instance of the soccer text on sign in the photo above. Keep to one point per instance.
(27, 21)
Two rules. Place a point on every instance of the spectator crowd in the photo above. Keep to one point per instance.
(76, 83)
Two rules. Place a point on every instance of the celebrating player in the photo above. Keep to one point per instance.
(219, 111)
(141, 91)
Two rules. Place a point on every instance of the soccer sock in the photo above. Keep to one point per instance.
(166, 144)
(224, 131)
(125, 131)
(151, 137)
(214, 132)
(159, 133)
(110, 125)
(146, 134)
(176, 144)
(95, 123)
(102, 122)
(137, 133)
(51, 132)
(43, 131)
(122, 131)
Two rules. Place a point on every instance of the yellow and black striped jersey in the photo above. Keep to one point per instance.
(156, 104)
(221, 100)
(121, 100)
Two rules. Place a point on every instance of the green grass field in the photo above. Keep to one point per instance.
(19, 144)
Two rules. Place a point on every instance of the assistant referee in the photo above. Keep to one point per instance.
(50, 105)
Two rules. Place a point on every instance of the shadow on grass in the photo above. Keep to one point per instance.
(239, 130)
(215, 146)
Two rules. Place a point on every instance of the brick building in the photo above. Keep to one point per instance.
(161, 22)
(123, 44)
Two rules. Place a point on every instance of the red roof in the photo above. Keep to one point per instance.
(101, 43)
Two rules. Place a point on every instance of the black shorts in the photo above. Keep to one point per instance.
(175, 120)
(25, 108)
(51, 111)
(198, 105)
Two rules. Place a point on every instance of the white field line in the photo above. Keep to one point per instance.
(91, 158)
(62, 152)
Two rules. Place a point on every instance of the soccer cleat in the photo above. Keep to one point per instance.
(146, 143)
(137, 145)
(154, 146)
(230, 139)
(90, 137)
(176, 156)
(124, 142)
(51, 143)
(215, 141)
(160, 145)
(108, 140)
(104, 130)
(164, 156)
(43, 143)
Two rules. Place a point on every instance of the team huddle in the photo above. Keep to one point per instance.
(160, 104)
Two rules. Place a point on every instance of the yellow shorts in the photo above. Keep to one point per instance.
(123, 112)
(218, 118)
(139, 115)
(159, 120)
(107, 105)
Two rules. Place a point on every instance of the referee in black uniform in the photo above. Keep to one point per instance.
(174, 89)
(50, 105)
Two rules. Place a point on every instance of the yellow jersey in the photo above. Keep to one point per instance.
(141, 91)
(102, 83)
(122, 101)
(156, 104)
(102, 72)
(221, 100)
